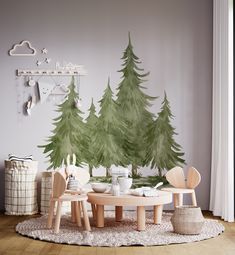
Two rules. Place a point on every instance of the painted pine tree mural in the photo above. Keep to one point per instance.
(133, 108)
(91, 123)
(69, 135)
(163, 152)
(106, 139)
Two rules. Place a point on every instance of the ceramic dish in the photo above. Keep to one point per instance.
(99, 187)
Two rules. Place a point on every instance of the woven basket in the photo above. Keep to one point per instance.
(21, 187)
(187, 220)
(46, 183)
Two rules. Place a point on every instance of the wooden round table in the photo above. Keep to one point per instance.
(99, 200)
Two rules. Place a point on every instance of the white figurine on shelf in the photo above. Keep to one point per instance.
(30, 104)
(31, 82)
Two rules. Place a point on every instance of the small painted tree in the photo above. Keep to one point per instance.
(91, 123)
(162, 150)
(106, 139)
(69, 134)
(133, 109)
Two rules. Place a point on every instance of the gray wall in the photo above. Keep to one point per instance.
(173, 39)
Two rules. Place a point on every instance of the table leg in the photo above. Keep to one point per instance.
(100, 216)
(140, 218)
(158, 214)
(118, 213)
(73, 211)
(93, 208)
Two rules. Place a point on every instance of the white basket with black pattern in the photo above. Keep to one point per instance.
(21, 187)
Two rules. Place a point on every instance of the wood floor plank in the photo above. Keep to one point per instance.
(17, 244)
(51, 249)
(230, 252)
(70, 249)
(105, 251)
(6, 242)
(160, 250)
(87, 250)
(138, 250)
(34, 247)
(124, 251)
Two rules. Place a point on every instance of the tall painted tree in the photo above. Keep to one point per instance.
(106, 140)
(69, 135)
(162, 150)
(91, 123)
(133, 108)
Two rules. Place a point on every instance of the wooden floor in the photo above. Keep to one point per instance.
(12, 243)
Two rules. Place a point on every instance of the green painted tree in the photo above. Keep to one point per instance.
(69, 134)
(162, 150)
(133, 109)
(91, 123)
(106, 139)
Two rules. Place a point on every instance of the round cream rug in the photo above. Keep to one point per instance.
(116, 233)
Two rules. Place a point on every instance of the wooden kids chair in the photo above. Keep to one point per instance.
(176, 178)
(77, 201)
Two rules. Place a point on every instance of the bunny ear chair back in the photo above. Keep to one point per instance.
(193, 178)
(176, 177)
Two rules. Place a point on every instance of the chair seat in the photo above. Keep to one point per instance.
(69, 197)
(74, 192)
(178, 190)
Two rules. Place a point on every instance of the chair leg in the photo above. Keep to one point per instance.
(176, 200)
(50, 214)
(194, 200)
(180, 199)
(58, 216)
(85, 216)
(78, 213)
(73, 211)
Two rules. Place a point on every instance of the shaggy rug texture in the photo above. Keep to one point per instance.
(116, 233)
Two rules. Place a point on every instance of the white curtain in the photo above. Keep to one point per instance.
(222, 162)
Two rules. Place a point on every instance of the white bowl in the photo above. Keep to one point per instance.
(99, 187)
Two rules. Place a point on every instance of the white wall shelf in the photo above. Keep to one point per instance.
(50, 72)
